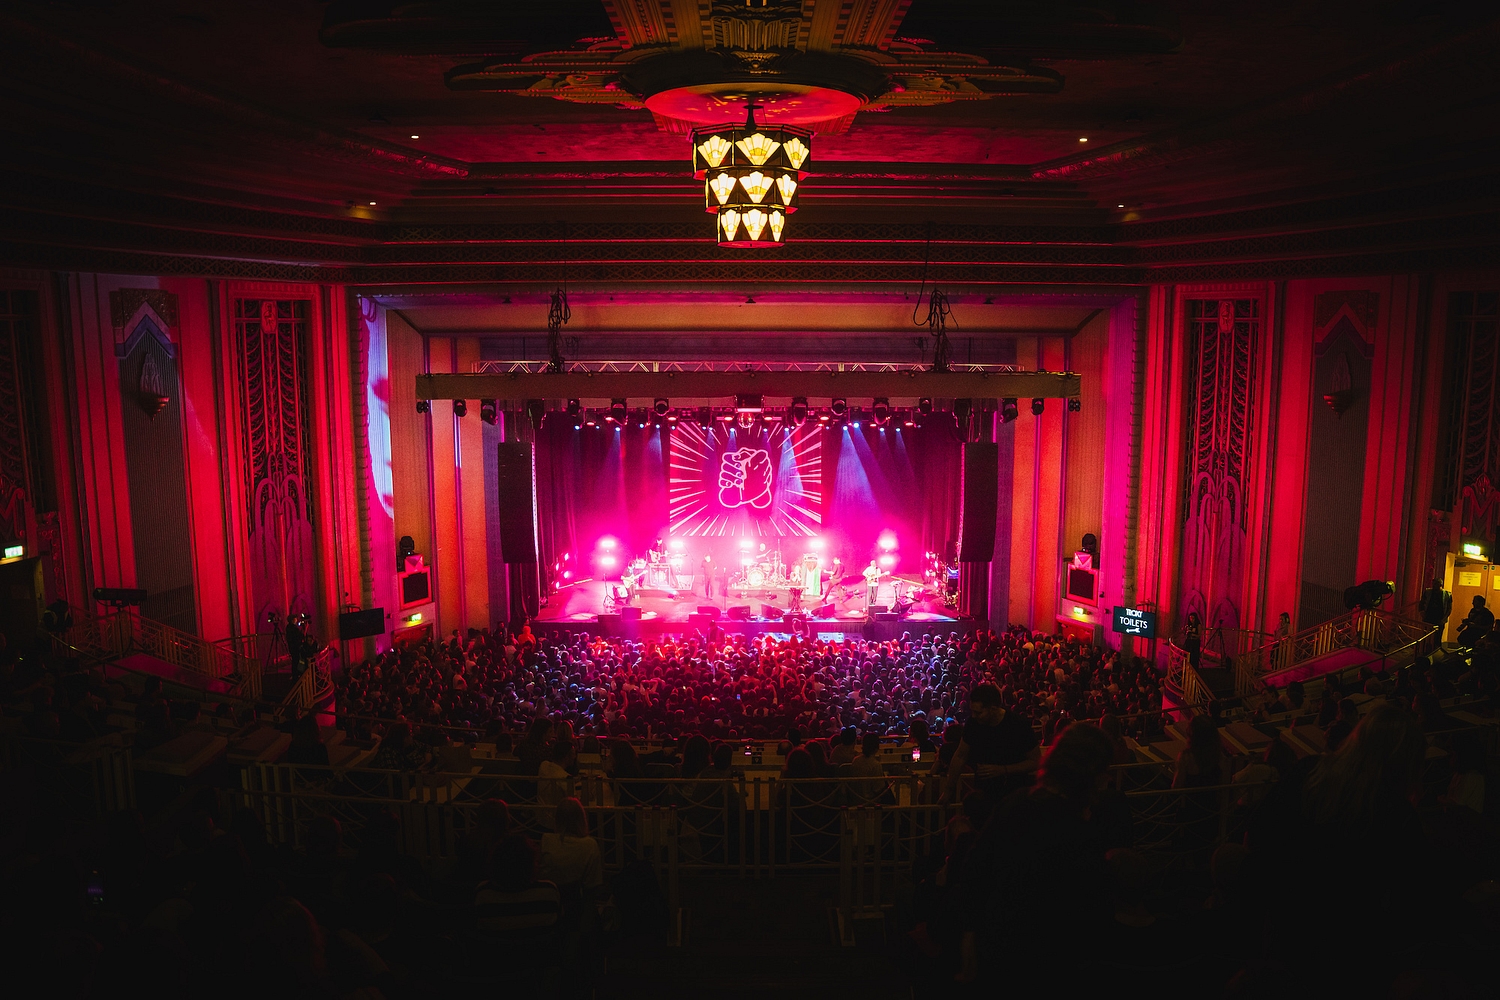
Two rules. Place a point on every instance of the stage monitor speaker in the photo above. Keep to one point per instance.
(609, 624)
(887, 616)
(739, 612)
(517, 502)
(823, 611)
(709, 611)
(879, 609)
(359, 624)
(770, 612)
(703, 622)
(980, 489)
(630, 614)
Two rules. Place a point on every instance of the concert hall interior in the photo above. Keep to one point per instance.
(908, 498)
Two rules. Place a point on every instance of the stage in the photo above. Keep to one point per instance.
(585, 604)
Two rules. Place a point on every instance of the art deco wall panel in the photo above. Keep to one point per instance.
(1343, 347)
(1223, 340)
(270, 338)
(151, 404)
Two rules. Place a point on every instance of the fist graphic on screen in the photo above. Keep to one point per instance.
(745, 478)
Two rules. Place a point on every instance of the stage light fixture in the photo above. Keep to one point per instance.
(573, 408)
(460, 408)
(1074, 404)
(924, 406)
(617, 413)
(1037, 406)
(1009, 410)
(661, 407)
(963, 409)
(423, 406)
(536, 409)
(840, 406)
(799, 411)
(705, 417)
(881, 411)
(487, 411)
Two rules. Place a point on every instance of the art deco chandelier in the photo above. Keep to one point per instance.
(751, 175)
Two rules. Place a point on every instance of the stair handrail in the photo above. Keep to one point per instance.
(315, 684)
(121, 631)
(1374, 630)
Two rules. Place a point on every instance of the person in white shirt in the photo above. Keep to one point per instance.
(867, 765)
(553, 781)
(570, 856)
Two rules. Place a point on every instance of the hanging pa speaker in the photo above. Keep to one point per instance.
(517, 502)
(980, 492)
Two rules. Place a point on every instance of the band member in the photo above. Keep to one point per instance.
(631, 581)
(706, 570)
(794, 587)
(872, 582)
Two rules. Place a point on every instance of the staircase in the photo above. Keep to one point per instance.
(1244, 666)
(228, 668)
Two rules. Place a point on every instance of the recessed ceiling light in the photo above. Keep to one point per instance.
(416, 137)
(1083, 138)
(372, 203)
(1120, 206)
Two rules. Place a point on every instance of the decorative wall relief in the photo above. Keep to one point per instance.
(152, 389)
(1223, 337)
(1344, 334)
(151, 428)
(18, 444)
(1472, 442)
(271, 343)
(1340, 394)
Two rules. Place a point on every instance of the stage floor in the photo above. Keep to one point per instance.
(662, 610)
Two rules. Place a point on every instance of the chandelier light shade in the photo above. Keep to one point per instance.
(751, 176)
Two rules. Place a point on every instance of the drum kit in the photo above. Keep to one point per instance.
(801, 577)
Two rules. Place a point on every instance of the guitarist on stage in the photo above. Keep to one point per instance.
(872, 576)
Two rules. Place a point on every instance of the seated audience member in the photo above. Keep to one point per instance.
(818, 751)
(1275, 763)
(491, 826)
(1356, 805)
(919, 736)
(867, 765)
(844, 750)
(1109, 724)
(1343, 724)
(513, 901)
(569, 856)
(1038, 867)
(532, 750)
(553, 781)
(1466, 789)
(307, 743)
(1477, 624)
(1201, 763)
(398, 751)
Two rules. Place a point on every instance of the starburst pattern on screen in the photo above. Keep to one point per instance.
(705, 469)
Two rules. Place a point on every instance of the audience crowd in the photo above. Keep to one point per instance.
(1366, 867)
(734, 686)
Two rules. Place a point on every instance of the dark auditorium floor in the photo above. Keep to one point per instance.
(766, 938)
